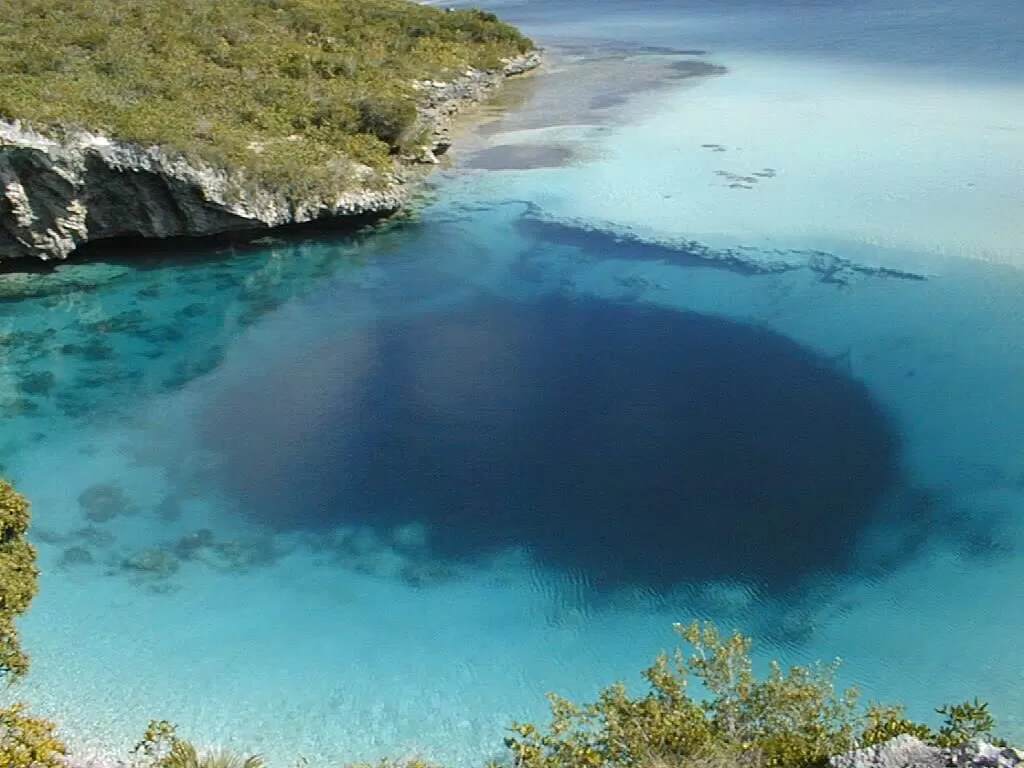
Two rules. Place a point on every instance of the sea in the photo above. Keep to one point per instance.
(716, 317)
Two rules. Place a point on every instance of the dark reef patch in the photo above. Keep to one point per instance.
(628, 247)
(640, 445)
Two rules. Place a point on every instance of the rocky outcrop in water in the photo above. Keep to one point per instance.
(57, 193)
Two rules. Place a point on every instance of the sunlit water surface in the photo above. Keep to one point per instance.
(720, 320)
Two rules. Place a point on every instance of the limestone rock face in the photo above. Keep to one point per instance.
(58, 193)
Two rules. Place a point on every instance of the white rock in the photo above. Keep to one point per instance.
(902, 752)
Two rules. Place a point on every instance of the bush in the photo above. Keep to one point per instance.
(793, 718)
(28, 742)
(19, 577)
(25, 741)
(390, 120)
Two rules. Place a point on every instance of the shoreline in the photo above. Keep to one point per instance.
(142, 193)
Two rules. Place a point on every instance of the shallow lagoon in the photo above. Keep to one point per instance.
(312, 603)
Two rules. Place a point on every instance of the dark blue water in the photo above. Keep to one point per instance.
(641, 446)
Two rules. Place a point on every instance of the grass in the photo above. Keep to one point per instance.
(287, 91)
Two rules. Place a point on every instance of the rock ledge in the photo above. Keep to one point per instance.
(58, 193)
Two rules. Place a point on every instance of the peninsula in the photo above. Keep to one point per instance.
(161, 118)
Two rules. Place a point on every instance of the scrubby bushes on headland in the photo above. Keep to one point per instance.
(282, 88)
(793, 718)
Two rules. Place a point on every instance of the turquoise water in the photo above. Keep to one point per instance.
(664, 342)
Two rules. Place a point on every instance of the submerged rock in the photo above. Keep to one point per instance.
(104, 502)
(75, 556)
(154, 562)
(37, 382)
(189, 546)
(237, 556)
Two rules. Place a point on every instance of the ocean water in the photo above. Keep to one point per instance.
(716, 317)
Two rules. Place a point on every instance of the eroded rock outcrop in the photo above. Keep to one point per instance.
(910, 752)
(57, 193)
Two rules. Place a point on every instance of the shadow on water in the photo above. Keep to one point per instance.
(644, 446)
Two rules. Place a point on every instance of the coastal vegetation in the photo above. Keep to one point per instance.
(793, 718)
(790, 718)
(25, 741)
(19, 577)
(161, 747)
(289, 92)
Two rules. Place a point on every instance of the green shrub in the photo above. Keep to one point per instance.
(965, 721)
(25, 741)
(885, 722)
(389, 119)
(19, 577)
(791, 718)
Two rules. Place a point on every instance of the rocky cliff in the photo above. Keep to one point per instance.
(58, 192)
